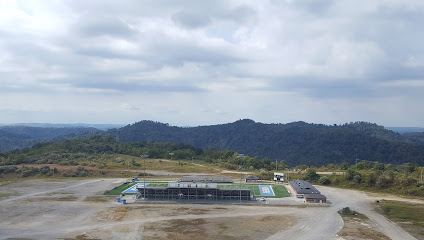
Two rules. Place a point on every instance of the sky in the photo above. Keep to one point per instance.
(191, 63)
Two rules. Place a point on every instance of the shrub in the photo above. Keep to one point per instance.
(324, 181)
(348, 211)
(311, 175)
(357, 179)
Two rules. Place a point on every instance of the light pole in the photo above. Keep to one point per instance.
(240, 156)
(144, 184)
(171, 154)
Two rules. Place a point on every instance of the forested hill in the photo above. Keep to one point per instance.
(295, 143)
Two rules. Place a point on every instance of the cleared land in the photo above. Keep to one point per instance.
(78, 209)
(254, 227)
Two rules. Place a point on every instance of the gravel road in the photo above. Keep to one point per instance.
(361, 202)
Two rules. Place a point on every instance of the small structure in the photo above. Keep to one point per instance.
(252, 178)
(305, 190)
(279, 177)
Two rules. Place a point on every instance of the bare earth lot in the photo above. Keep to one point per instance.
(76, 209)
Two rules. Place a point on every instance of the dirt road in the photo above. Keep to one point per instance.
(361, 202)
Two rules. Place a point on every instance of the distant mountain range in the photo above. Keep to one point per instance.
(406, 129)
(66, 125)
(295, 143)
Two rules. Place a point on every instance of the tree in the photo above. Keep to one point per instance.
(357, 178)
(311, 175)
(350, 173)
(301, 167)
(344, 165)
(324, 180)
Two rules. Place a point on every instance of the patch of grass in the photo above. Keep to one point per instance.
(403, 212)
(98, 198)
(2, 195)
(279, 190)
(58, 193)
(158, 184)
(118, 190)
(409, 216)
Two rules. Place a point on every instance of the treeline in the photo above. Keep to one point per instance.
(87, 151)
(23, 172)
(403, 179)
(294, 143)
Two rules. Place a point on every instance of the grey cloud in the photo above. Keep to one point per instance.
(240, 14)
(176, 54)
(191, 19)
(92, 26)
(202, 17)
(121, 87)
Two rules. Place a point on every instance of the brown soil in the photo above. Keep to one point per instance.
(248, 227)
(360, 228)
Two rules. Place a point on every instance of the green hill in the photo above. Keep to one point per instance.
(295, 143)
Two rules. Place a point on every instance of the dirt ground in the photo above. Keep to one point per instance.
(360, 228)
(254, 227)
(77, 209)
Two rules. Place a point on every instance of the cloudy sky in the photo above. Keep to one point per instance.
(194, 62)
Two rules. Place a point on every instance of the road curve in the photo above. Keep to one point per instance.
(361, 202)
